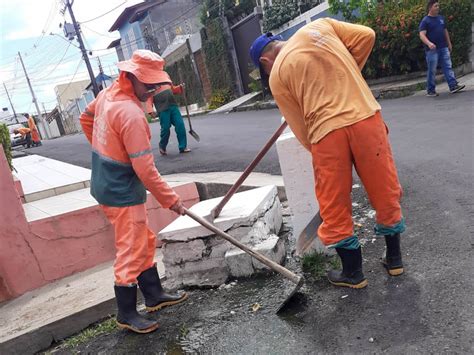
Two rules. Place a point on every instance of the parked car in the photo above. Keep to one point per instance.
(16, 139)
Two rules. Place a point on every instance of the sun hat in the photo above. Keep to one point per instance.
(256, 50)
(147, 66)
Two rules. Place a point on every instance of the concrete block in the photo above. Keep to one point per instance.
(239, 263)
(202, 273)
(218, 251)
(177, 253)
(241, 210)
(274, 219)
(258, 217)
(273, 248)
(242, 264)
(297, 170)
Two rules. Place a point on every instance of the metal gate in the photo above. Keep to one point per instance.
(244, 33)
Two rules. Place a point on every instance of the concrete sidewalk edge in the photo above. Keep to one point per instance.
(381, 89)
(44, 336)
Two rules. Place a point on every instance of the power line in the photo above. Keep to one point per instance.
(66, 59)
(34, 97)
(106, 13)
(14, 77)
(47, 24)
(129, 44)
(46, 58)
(72, 79)
(97, 33)
(57, 64)
(50, 79)
(77, 30)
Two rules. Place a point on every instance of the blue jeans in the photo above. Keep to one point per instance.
(442, 57)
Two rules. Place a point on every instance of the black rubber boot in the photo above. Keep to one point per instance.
(351, 274)
(128, 317)
(155, 297)
(392, 260)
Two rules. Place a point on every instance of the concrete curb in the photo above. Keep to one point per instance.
(95, 309)
(383, 88)
(42, 337)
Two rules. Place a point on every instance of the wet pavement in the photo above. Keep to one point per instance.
(417, 312)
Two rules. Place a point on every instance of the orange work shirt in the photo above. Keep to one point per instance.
(316, 79)
(122, 158)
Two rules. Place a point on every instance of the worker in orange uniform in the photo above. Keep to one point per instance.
(316, 80)
(35, 137)
(122, 168)
(25, 132)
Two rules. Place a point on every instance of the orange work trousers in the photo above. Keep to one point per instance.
(135, 243)
(35, 135)
(365, 146)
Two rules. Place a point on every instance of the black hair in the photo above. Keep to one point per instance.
(430, 4)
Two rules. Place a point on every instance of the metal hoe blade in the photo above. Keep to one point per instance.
(195, 135)
(308, 235)
(290, 295)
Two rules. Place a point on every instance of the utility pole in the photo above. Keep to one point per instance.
(34, 98)
(95, 87)
(11, 104)
(44, 109)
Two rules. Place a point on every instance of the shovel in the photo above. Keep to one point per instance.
(307, 237)
(191, 131)
(297, 280)
(215, 212)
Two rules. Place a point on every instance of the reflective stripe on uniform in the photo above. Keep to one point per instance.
(139, 154)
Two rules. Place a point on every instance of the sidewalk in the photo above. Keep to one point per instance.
(385, 88)
(38, 318)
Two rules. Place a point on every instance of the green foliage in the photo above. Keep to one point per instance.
(317, 264)
(233, 9)
(255, 86)
(220, 97)
(217, 58)
(183, 331)
(214, 43)
(183, 72)
(282, 11)
(398, 48)
(148, 118)
(351, 10)
(6, 143)
(106, 326)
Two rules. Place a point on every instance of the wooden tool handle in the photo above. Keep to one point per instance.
(271, 264)
(217, 210)
(187, 110)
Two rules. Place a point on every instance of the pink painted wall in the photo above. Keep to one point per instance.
(79, 240)
(34, 254)
(19, 268)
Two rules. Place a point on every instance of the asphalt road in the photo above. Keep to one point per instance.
(228, 143)
(427, 310)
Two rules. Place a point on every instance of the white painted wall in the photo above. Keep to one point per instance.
(54, 130)
(297, 170)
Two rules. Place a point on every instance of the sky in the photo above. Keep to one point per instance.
(50, 60)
